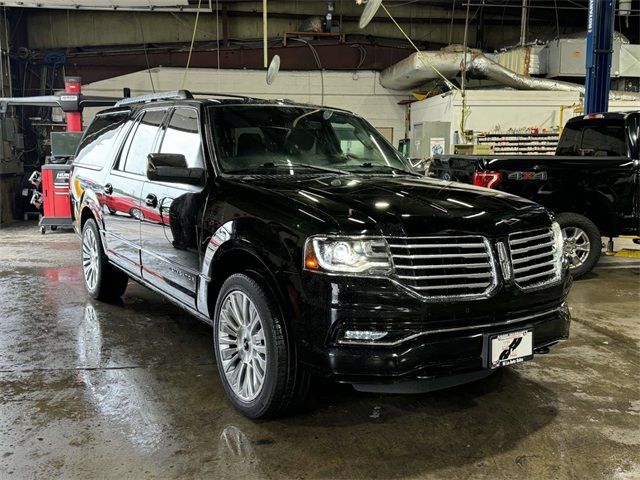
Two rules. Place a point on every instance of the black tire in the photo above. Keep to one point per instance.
(570, 221)
(110, 283)
(285, 383)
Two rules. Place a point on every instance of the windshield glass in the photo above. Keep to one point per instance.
(594, 138)
(255, 137)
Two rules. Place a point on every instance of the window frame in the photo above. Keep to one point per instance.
(167, 121)
(132, 131)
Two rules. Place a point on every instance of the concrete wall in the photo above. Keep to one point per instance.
(360, 93)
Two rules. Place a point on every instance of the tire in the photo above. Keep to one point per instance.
(577, 230)
(101, 279)
(261, 344)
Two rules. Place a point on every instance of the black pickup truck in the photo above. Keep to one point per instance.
(592, 184)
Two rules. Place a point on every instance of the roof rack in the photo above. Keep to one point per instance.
(174, 95)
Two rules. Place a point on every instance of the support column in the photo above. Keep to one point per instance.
(599, 52)
(72, 86)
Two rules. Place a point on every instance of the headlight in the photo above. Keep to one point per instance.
(367, 256)
(558, 246)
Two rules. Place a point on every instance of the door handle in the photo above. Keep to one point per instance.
(108, 189)
(151, 200)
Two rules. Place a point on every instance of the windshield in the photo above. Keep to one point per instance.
(594, 138)
(258, 137)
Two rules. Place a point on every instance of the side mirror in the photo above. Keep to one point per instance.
(172, 168)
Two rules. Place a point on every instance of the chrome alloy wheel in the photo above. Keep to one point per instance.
(576, 246)
(90, 258)
(242, 346)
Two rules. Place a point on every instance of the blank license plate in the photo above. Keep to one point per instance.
(510, 348)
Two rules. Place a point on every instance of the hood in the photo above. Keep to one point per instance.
(400, 205)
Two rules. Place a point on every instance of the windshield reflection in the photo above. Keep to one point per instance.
(272, 137)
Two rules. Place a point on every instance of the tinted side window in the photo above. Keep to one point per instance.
(140, 143)
(603, 138)
(98, 142)
(183, 136)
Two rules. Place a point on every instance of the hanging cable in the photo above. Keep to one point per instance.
(555, 2)
(424, 60)
(314, 52)
(193, 39)
(146, 57)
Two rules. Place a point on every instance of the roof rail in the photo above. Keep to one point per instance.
(174, 95)
(229, 95)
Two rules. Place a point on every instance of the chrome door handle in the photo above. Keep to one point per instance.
(151, 200)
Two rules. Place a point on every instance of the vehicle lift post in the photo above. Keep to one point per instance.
(599, 52)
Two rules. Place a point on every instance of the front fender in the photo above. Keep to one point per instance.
(272, 250)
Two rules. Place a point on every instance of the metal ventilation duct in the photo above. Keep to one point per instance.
(417, 70)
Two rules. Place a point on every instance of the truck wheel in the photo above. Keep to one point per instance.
(256, 359)
(101, 279)
(582, 242)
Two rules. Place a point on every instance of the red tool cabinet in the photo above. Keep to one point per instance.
(55, 197)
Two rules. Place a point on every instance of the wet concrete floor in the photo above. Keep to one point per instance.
(90, 390)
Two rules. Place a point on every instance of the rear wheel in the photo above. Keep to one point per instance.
(256, 359)
(582, 242)
(101, 279)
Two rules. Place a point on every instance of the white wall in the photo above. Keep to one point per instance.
(501, 110)
(359, 92)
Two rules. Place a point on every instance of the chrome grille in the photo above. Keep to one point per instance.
(533, 258)
(444, 267)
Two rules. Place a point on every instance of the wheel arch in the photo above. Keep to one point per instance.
(228, 253)
(593, 205)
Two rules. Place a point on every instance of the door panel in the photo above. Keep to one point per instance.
(169, 233)
(121, 201)
(121, 207)
(170, 226)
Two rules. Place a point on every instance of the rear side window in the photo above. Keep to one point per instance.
(183, 136)
(98, 143)
(140, 142)
(594, 138)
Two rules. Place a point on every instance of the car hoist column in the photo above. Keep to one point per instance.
(599, 52)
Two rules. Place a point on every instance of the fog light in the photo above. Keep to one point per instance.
(363, 335)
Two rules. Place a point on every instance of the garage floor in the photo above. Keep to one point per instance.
(89, 390)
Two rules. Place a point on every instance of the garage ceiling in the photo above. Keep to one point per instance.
(102, 4)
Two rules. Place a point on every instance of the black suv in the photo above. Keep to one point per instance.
(312, 247)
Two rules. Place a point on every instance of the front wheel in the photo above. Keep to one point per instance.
(256, 358)
(582, 242)
(101, 279)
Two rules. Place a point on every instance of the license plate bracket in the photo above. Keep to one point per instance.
(508, 348)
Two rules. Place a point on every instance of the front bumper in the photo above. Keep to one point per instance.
(439, 340)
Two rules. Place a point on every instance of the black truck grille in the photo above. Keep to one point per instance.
(533, 258)
(444, 267)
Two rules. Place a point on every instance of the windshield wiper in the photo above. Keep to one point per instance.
(289, 165)
(369, 165)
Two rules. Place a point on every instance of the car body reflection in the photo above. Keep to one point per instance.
(116, 393)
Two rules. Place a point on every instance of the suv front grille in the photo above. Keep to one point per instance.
(533, 258)
(444, 267)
